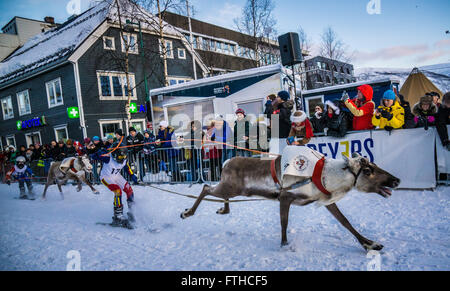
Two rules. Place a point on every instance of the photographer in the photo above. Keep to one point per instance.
(425, 112)
(389, 115)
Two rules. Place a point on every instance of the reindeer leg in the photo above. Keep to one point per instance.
(190, 212)
(224, 210)
(366, 243)
(87, 182)
(285, 204)
(59, 183)
(45, 189)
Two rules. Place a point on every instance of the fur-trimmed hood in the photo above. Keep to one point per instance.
(298, 117)
(336, 109)
(416, 110)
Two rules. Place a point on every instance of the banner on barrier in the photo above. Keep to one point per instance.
(443, 156)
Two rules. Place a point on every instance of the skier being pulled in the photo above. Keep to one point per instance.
(110, 176)
(23, 174)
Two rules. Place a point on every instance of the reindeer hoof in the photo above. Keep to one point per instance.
(96, 192)
(185, 214)
(373, 246)
(284, 244)
(223, 211)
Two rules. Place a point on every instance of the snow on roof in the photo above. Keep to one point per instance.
(219, 79)
(53, 46)
(355, 84)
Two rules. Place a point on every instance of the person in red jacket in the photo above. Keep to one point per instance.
(362, 107)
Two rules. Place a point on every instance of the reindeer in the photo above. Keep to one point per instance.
(71, 168)
(258, 177)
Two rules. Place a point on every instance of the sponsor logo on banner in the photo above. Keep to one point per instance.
(334, 149)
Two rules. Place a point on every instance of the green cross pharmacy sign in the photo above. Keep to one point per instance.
(73, 112)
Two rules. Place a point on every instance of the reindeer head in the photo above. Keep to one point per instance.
(85, 163)
(370, 178)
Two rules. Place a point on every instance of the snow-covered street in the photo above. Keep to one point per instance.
(413, 226)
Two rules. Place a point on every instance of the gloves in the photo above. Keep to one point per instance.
(431, 119)
(345, 97)
(290, 140)
(387, 115)
(416, 119)
(134, 178)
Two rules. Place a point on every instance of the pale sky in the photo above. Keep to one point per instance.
(405, 34)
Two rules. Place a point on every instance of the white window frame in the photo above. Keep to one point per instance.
(54, 88)
(18, 102)
(113, 41)
(59, 127)
(111, 75)
(184, 53)
(13, 137)
(33, 133)
(107, 121)
(191, 101)
(131, 50)
(142, 120)
(177, 79)
(169, 53)
(321, 97)
(12, 109)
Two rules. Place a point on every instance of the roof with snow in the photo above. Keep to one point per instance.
(55, 46)
(220, 79)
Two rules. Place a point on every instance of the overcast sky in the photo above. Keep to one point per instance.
(405, 34)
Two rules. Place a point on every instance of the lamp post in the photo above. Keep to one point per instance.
(147, 97)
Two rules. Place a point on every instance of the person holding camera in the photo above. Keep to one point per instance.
(425, 112)
(389, 115)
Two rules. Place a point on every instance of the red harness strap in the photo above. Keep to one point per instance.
(273, 171)
(317, 176)
(72, 167)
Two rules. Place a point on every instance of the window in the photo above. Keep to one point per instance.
(195, 42)
(54, 93)
(205, 44)
(178, 80)
(182, 54)
(176, 112)
(108, 43)
(11, 141)
(113, 86)
(233, 49)
(169, 49)
(129, 43)
(253, 109)
(109, 127)
(7, 108)
(23, 101)
(61, 133)
(311, 103)
(33, 138)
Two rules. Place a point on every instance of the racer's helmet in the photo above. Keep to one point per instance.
(120, 155)
(20, 162)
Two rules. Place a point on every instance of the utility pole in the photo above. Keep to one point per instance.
(191, 40)
(163, 45)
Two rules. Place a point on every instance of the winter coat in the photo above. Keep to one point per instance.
(149, 144)
(424, 118)
(316, 121)
(138, 139)
(362, 112)
(268, 111)
(397, 117)
(284, 111)
(442, 120)
(241, 129)
(210, 149)
(222, 135)
(300, 133)
(71, 152)
(336, 124)
(409, 117)
(167, 138)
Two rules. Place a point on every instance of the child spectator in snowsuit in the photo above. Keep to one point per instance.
(334, 120)
(301, 130)
(389, 115)
(110, 176)
(425, 112)
(361, 107)
(23, 174)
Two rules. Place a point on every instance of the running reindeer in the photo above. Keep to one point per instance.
(71, 168)
(330, 181)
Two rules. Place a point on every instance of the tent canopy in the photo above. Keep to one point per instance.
(416, 86)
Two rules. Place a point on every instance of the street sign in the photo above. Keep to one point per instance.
(133, 108)
(73, 112)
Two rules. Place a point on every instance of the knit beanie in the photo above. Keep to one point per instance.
(389, 95)
(284, 95)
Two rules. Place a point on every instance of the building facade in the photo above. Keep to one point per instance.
(323, 72)
(78, 70)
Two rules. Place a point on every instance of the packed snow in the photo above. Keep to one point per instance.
(414, 227)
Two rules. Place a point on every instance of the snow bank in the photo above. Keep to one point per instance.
(36, 235)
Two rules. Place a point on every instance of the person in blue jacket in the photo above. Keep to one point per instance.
(166, 139)
(23, 174)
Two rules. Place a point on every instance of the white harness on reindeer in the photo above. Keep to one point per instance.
(302, 162)
(68, 167)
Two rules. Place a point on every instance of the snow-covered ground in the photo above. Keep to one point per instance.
(414, 227)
